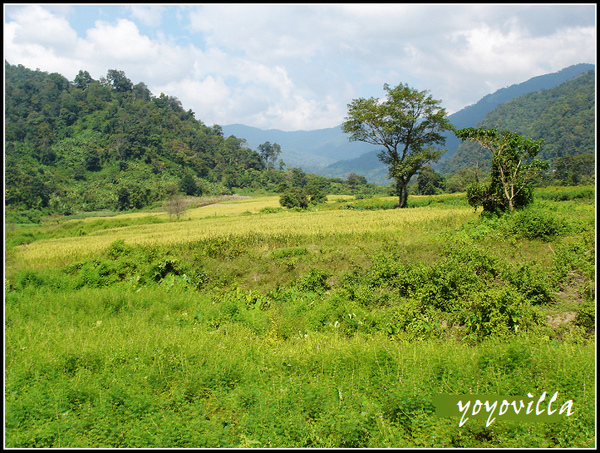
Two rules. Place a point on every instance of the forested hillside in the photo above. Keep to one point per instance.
(473, 114)
(109, 144)
(564, 116)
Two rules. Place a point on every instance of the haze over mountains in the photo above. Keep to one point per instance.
(327, 152)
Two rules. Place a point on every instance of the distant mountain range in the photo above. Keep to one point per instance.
(327, 152)
(311, 150)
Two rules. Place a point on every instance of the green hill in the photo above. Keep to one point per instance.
(564, 116)
(109, 144)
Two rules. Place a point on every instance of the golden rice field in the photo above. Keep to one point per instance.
(239, 218)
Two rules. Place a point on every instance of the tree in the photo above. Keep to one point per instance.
(513, 169)
(83, 80)
(298, 177)
(188, 185)
(269, 153)
(118, 80)
(176, 206)
(355, 181)
(573, 170)
(429, 182)
(315, 193)
(294, 197)
(92, 160)
(458, 182)
(123, 201)
(406, 123)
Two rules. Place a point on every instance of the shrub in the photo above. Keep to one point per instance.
(29, 278)
(270, 210)
(294, 197)
(403, 409)
(314, 281)
(532, 285)
(534, 223)
(586, 316)
(496, 312)
(385, 270)
(117, 249)
(412, 320)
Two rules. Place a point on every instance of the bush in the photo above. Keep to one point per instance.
(315, 281)
(586, 316)
(270, 210)
(118, 249)
(532, 285)
(496, 312)
(412, 320)
(534, 223)
(294, 198)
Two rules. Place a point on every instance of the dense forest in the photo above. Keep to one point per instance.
(109, 144)
(564, 116)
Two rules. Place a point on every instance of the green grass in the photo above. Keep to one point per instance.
(306, 340)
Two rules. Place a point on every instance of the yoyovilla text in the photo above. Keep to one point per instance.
(492, 407)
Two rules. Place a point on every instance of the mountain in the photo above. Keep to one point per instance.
(471, 115)
(311, 150)
(111, 145)
(327, 152)
(564, 116)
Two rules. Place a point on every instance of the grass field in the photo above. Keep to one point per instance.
(245, 325)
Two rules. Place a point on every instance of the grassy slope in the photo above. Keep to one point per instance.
(238, 328)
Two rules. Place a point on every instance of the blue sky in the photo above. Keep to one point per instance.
(297, 66)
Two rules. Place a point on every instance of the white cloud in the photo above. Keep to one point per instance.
(121, 42)
(150, 15)
(34, 25)
(298, 66)
(208, 97)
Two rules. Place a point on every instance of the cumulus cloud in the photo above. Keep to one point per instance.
(150, 15)
(121, 42)
(298, 66)
(35, 25)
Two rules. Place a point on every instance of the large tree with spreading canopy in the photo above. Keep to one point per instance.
(407, 123)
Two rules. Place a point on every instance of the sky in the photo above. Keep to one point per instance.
(298, 66)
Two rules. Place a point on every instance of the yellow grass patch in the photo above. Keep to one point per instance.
(227, 220)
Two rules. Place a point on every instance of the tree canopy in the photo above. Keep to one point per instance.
(513, 169)
(407, 123)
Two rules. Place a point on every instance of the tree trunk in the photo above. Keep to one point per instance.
(403, 194)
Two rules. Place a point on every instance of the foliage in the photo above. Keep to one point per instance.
(513, 169)
(429, 182)
(407, 123)
(294, 197)
(575, 170)
(534, 223)
(297, 197)
(315, 281)
(269, 153)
